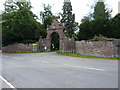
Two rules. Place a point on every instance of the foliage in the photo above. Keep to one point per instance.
(101, 27)
(100, 11)
(116, 26)
(47, 16)
(101, 37)
(99, 24)
(68, 19)
(28, 41)
(14, 6)
(85, 56)
(20, 25)
(85, 30)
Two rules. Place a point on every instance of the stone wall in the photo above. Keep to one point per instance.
(98, 48)
(92, 48)
(68, 45)
(42, 44)
(18, 47)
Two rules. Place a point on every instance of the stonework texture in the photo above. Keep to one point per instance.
(98, 48)
(58, 28)
(18, 47)
(68, 45)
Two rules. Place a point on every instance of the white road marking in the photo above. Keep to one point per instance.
(84, 67)
(10, 85)
(94, 69)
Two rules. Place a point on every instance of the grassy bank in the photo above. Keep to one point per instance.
(85, 56)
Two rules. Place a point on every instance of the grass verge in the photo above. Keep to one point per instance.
(85, 56)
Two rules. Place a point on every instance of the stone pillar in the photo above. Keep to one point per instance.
(48, 45)
(61, 45)
(117, 48)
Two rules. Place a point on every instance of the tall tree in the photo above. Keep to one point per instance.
(116, 26)
(47, 16)
(102, 19)
(19, 25)
(68, 19)
(100, 11)
(85, 29)
(98, 23)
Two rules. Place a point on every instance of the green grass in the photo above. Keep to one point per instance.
(86, 56)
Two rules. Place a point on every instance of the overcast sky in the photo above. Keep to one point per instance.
(80, 7)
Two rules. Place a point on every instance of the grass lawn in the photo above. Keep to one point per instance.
(86, 56)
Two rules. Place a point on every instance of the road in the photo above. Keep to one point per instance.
(2, 83)
(49, 70)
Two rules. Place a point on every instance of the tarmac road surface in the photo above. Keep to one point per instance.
(49, 70)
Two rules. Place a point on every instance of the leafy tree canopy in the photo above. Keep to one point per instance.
(97, 23)
(20, 25)
(100, 11)
(47, 15)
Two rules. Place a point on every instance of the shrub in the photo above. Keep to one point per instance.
(101, 37)
(28, 41)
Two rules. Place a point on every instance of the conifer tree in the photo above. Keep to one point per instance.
(68, 19)
(100, 11)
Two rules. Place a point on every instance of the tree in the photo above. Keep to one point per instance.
(85, 29)
(20, 25)
(102, 20)
(47, 16)
(68, 19)
(98, 23)
(116, 26)
(101, 27)
(100, 11)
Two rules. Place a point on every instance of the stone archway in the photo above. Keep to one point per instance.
(58, 28)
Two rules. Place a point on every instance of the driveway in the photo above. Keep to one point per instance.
(49, 70)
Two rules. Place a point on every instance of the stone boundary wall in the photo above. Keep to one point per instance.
(18, 47)
(68, 45)
(98, 48)
(92, 48)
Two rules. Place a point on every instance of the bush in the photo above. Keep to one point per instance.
(28, 41)
(101, 37)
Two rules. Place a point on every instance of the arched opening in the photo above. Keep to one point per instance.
(55, 41)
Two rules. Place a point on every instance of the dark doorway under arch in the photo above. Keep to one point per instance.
(55, 41)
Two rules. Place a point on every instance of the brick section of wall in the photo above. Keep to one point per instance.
(18, 47)
(98, 48)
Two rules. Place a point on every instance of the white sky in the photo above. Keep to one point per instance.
(80, 7)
